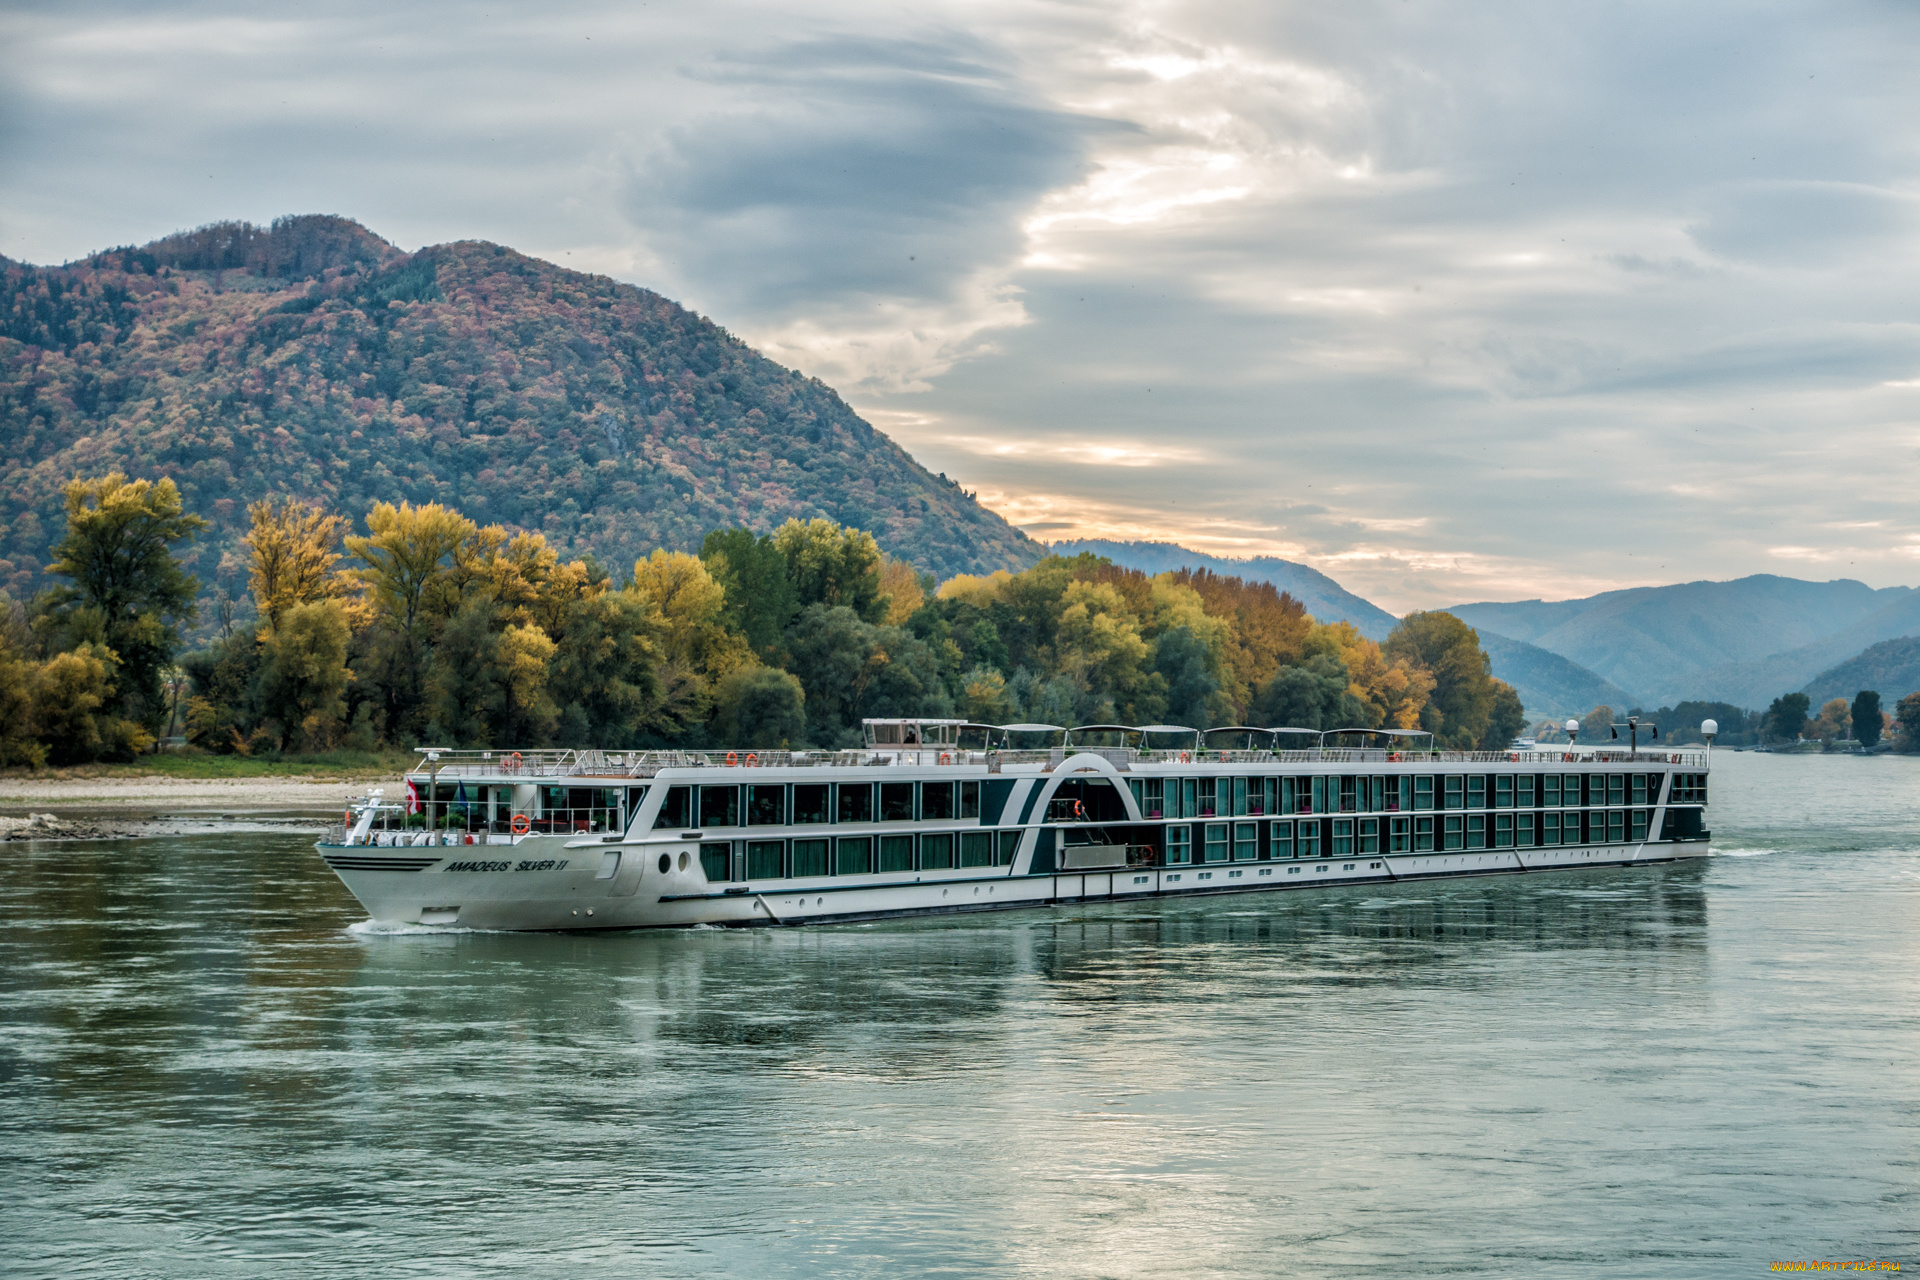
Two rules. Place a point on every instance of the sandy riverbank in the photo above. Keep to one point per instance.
(162, 797)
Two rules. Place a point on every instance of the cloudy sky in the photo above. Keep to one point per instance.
(1453, 302)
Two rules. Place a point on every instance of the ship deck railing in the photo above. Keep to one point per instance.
(586, 766)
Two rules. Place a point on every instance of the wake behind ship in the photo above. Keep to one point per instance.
(913, 822)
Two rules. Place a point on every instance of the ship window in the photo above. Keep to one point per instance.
(936, 801)
(856, 802)
(676, 810)
(1009, 847)
(1290, 795)
(969, 800)
(1369, 835)
(1594, 790)
(714, 859)
(1260, 796)
(1616, 826)
(936, 851)
(1423, 791)
(766, 806)
(1455, 832)
(719, 806)
(1308, 839)
(1423, 835)
(1640, 788)
(1523, 830)
(853, 855)
(1282, 846)
(1503, 831)
(1349, 798)
(1616, 788)
(1399, 794)
(1549, 828)
(1216, 850)
(1523, 791)
(1456, 793)
(1637, 831)
(1503, 791)
(896, 802)
(1476, 791)
(809, 857)
(1189, 805)
(1476, 831)
(1399, 834)
(1147, 792)
(1342, 838)
(1239, 797)
(1573, 827)
(1317, 787)
(809, 803)
(1550, 790)
(766, 859)
(1381, 793)
(1246, 841)
(1569, 789)
(1206, 795)
(896, 853)
(976, 848)
(1179, 845)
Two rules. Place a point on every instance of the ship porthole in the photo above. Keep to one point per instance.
(666, 863)
(683, 861)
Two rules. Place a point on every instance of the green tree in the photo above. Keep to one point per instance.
(761, 600)
(304, 676)
(760, 708)
(408, 556)
(125, 593)
(1307, 695)
(488, 684)
(1194, 696)
(605, 681)
(1505, 720)
(1448, 650)
(1597, 725)
(1866, 718)
(833, 566)
(1787, 718)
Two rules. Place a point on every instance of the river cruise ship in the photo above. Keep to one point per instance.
(932, 816)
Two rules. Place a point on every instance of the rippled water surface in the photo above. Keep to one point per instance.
(206, 1069)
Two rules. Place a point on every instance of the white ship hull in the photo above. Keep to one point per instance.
(529, 890)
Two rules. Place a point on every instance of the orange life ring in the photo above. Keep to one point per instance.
(752, 760)
(521, 824)
(1513, 757)
(733, 759)
(1186, 757)
(1567, 758)
(510, 763)
(946, 757)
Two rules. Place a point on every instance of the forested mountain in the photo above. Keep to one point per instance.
(314, 359)
(1890, 668)
(1324, 598)
(1548, 684)
(1744, 641)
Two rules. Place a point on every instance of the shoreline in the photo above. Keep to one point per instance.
(94, 807)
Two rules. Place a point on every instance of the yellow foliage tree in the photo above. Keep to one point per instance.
(900, 585)
(293, 547)
(974, 590)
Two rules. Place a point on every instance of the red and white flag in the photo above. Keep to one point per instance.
(413, 797)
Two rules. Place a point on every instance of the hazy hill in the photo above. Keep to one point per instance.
(1548, 684)
(1745, 641)
(1890, 668)
(316, 359)
(1324, 598)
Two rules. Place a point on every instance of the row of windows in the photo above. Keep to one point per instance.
(857, 855)
(1347, 837)
(1348, 793)
(803, 804)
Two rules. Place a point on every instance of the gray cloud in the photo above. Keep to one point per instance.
(853, 167)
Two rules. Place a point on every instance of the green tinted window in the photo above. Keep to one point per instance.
(1369, 835)
(1476, 831)
(1282, 840)
(853, 855)
(1455, 835)
(976, 848)
(1423, 791)
(1423, 835)
(766, 859)
(1308, 838)
(936, 851)
(896, 853)
(1179, 845)
(1503, 831)
(714, 859)
(1400, 835)
(1342, 838)
(1009, 847)
(809, 857)
(1216, 850)
(1246, 841)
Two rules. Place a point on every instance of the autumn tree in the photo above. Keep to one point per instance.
(125, 594)
(293, 548)
(1834, 722)
(304, 676)
(1448, 650)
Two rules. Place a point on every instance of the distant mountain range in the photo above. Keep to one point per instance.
(1324, 598)
(313, 358)
(1891, 668)
(1746, 641)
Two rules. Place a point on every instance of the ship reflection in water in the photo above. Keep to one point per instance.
(212, 1069)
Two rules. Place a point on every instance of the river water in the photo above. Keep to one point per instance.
(208, 1068)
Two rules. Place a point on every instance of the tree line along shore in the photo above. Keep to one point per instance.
(425, 626)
